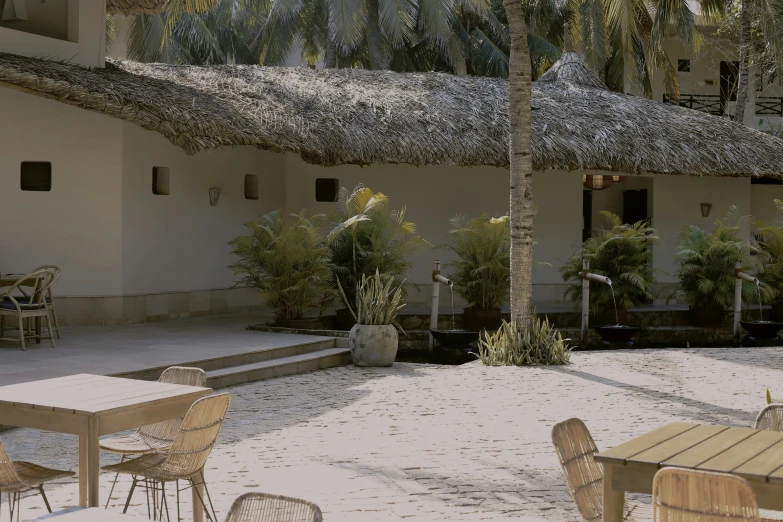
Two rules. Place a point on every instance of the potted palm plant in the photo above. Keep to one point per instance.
(368, 237)
(623, 254)
(708, 261)
(287, 260)
(481, 271)
(373, 339)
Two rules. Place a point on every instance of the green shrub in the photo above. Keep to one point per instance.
(481, 275)
(708, 261)
(623, 254)
(377, 303)
(509, 346)
(367, 237)
(770, 243)
(286, 259)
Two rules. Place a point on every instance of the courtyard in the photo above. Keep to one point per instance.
(425, 442)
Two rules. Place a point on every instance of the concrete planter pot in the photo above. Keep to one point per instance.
(373, 345)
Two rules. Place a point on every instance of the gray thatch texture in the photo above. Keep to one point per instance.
(334, 117)
(134, 7)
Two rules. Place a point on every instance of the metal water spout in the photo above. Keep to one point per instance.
(437, 280)
(739, 277)
(587, 276)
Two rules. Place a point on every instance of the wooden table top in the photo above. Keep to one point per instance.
(93, 395)
(753, 454)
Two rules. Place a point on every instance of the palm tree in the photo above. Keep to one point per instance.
(521, 167)
(622, 40)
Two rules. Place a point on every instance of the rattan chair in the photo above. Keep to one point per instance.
(684, 495)
(30, 305)
(154, 437)
(262, 507)
(583, 475)
(20, 477)
(186, 457)
(770, 418)
(49, 298)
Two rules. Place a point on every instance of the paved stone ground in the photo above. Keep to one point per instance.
(429, 443)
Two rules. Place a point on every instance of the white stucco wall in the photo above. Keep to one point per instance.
(86, 38)
(432, 195)
(77, 225)
(178, 242)
(677, 204)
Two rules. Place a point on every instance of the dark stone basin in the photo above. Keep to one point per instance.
(617, 334)
(762, 329)
(454, 337)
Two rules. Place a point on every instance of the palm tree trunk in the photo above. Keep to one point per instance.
(330, 58)
(521, 166)
(742, 89)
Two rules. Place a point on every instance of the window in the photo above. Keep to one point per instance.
(161, 181)
(683, 65)
(251, 186)
(326, 189)
(36, 176)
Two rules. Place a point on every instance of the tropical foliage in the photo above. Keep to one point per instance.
(286, 259)
(368, 237)
(770, 243)
(623, 254)
(708, 261)
(377, 302)
(514, 346)
(481, 274)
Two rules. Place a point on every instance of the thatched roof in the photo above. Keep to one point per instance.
(349, 116)
(134, 7)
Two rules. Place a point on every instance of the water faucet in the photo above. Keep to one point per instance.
(437, 278)
(586, 274)
(746, 277)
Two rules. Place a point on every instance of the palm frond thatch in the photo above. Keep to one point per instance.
(349, 116)
(134, 7)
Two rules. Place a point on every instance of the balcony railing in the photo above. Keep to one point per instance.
(709, 103)
(769, 106)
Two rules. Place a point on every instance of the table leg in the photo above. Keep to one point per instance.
(93, 463)
(83, 470)
(614, 500)
(198, 496)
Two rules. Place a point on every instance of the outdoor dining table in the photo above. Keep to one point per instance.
(93, 405)
(10, 280)
(755, 455)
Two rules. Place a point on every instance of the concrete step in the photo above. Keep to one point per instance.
(240, 359)
(278, 367)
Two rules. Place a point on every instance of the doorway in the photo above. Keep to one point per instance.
(729, 82)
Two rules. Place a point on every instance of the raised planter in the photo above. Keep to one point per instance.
(776, 314)
(373, 345)
(344, 319)
(325, 322)
(477, 319)
(709, 316)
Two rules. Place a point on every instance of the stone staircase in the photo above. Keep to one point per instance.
(266, 363)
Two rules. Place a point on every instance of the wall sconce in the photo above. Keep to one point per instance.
(705, 209)
(214, 194)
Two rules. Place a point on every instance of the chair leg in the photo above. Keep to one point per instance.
(177, 488)
(130, 494)
(46, 500)
(21, 332)
(49, 327)
(213, 516)
(163, 502)
(56, 320)
(116, 476)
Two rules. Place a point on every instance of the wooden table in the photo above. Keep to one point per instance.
(93, 405)
(755, 455)
(7, 280)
